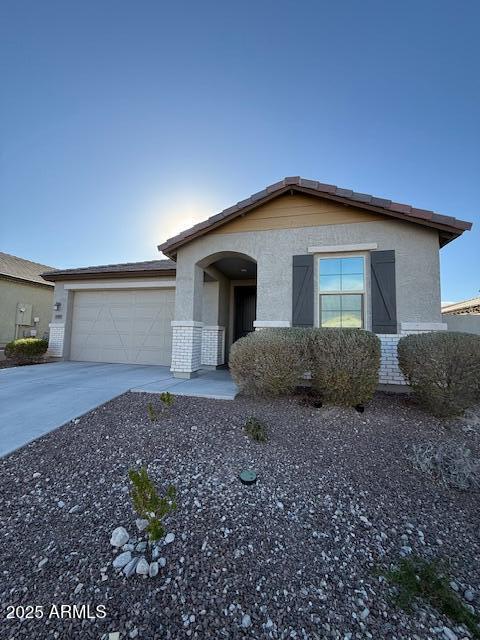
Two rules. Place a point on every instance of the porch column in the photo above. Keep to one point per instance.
(213, 346)
(187, 325)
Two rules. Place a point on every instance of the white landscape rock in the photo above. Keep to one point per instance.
(142, 567)
(449, 634)
(153, 570)
(121, 560)
(119, 537)
(141, 524)
(246, 621)
(170, 537)
(162, 562)
(129, 569)
(365, 521)
(365, 613)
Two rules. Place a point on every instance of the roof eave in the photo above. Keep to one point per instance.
(449, 232)
(26, 281)
(103, 275)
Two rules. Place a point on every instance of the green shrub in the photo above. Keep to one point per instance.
(148, 504)
(266, 362)
(344, 365)
(416, 578)
(255, 430)
(443, 369)
(26, 350)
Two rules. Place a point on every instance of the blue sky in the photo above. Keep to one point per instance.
(123, 122)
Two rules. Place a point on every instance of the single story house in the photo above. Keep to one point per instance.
(26, 299)
(463, 316)
(465, 307)
(298, 253)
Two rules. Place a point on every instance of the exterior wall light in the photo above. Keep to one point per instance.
(57, 305)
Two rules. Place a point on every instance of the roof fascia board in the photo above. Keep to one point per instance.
(104, 275)
(26, 281)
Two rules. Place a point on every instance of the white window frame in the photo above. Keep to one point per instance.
(330, 256)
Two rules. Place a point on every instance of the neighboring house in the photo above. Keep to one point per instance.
(463, 316)
(298, 253)
(465, 307)
(25, 299)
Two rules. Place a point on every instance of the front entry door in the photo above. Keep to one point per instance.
(245, 310)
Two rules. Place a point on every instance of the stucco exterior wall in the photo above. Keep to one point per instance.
(417, 265)
(468, 323)
(12, 293)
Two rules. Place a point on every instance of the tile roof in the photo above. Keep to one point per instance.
(20, 269)
(449, 226)
(464, 306)
(149, 267)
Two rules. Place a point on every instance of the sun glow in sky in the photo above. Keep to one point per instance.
(123, 123)
(167, 216)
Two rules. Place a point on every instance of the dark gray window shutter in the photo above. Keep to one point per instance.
(302, 303)
(384, 299)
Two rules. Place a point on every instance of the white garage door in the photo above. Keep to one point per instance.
(131, 326)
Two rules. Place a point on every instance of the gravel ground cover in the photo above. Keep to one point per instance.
(294, 556)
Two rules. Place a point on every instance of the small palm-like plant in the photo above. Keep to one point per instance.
(152, 414)
(167, 399)
(256, 430)
(148, 504)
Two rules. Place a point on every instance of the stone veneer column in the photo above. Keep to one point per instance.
(213, 346)
(389, 370)
(186, 348)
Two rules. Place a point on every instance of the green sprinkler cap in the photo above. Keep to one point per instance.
(248, 477)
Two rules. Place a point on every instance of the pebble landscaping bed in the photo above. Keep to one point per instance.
(298, 555)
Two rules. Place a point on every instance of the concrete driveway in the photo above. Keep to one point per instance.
(39, 398)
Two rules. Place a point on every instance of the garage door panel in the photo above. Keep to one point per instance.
(145, 325)
(147, 357)
(123, 326)
(149, 341)
(144, 296)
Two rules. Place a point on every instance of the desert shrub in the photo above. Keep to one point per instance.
(344, 364)
(450, 463)
(266, 362)
(26, 350)
(443, 369)
(148, 504)
(416, 578)
(255, 430)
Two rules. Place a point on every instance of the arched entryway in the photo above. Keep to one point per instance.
(229, 295)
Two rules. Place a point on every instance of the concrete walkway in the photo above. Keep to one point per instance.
(39, 398)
